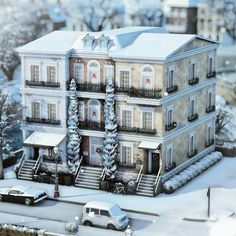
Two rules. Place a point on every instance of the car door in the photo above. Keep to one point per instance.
(105, 217)
(13, 196)
(96, 217)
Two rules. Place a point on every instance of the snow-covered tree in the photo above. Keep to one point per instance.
(230, 17)
(74, 139)
(20, 23)
(111, 136)
(8, 123)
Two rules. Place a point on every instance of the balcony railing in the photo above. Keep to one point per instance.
(170, 167)
(170, 126)
(172, 89)
(139, 92)
(193, 117)
(89, 87)
(209, 143)
(137, 130)
(210, 109)
(42, 83)
(192, 154)
(92, 125)
(43, 121)
(211, 75)
(193, 81)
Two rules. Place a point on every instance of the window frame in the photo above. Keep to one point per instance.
(89, 69)
(152, 75)
(210, 58)
(54, 104)
(146, 109)
(169, 108)
(32, 107)
(77, 64)
(208, 102)
(193, 73)
(30, 68)
(81, 104)
(126, 108)
(170, 80)
(191, 142)
(192, 100)
(127, 69)
(131, 146)
(52, 66)
(167, 161)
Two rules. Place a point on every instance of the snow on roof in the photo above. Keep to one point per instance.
(100, 205)
(149, 145)
(181, 3)
(154, 46)
(21, 188)
(57, 42)
(44, 139)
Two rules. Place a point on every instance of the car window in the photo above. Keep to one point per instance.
(96, 211)
(19, 192)
(13, 192)
(104, 213)
(87, 210)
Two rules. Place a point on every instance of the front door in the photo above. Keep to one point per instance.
(96, 147)
(155, 163)
(36, 153)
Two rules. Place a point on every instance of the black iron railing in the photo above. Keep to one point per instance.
(192, 154)
(211, 75)
(89, 87)
(170, 167)
(43, 121)
(92, 125)
(193, 117)
(137, 130)
(172, 89)
(170, 126)
(210, 109)
(209, 143)
(42, 83)
(193, 81)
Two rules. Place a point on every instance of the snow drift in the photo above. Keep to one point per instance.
(192, 171)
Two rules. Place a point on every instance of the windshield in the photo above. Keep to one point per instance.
(116, 211)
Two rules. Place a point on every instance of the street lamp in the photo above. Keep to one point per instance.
(56, 190)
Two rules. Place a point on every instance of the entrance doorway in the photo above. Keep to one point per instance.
(155, 162)
(36, 153)
(96, 147)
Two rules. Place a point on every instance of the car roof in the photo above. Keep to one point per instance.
(21, 188)
(100, 205)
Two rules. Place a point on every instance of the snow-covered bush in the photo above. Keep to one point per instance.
(190, 172)
(74, 139)
(73, 227)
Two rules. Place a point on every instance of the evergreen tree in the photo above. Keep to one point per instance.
(111, 136)
(74, 139)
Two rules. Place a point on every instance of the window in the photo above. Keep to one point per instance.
(81, 110)
(51, 111)
(87, 210)
(51, 74)
(126, 153)
(170, 80)
(34, 72)
(191, 106)
(147, 120)
(169, 118)
(108, 72)
(93, 72)
(209, 98)
(209, 133)
(126, 119)
(192, 70)
(79, 72)
(125, 78)
(191, 143)
(210, 65)
(147, 77)
(168, 155)
(104, 213)
(35, 109)
(96, 211)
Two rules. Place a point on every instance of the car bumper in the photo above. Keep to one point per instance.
(40, 199)
(122, 225)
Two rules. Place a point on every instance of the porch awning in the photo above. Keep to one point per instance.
(149, 145)
(43, 139)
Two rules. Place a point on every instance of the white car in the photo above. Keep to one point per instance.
(104, 214)
(22, 194)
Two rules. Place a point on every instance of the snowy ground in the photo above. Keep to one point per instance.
(188, 202)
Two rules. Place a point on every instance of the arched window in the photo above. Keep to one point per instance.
(94, 72)
(94, 110)
(147, 76)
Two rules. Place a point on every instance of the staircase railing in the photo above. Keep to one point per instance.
(139, 177)
(21, 163)
(157, 181)
(102, 176)
(37, 165)
(78, 167)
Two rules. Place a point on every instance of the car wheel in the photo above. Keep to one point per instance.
(88, 223)
(111, 226)
(27, 202)
(1, 198)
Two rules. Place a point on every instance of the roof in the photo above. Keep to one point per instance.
(100, 205)
(181, 3)
(149, 145)
(44, 139)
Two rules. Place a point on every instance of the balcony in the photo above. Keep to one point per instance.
(170, 167)
(137, 130)
(170, 126)
(193, 81)
(210, 109)
(192, 154)
(211, 75)
(43, 121)
(42, 83)
(140, 93)
(99, 126)
(172, 89)
(209, 143)
(193, 117)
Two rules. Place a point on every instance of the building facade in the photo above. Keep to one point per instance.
(164, 96)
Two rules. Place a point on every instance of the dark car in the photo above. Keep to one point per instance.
(22, 194)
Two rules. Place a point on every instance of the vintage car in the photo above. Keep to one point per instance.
(22, 194)
(104, 214)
